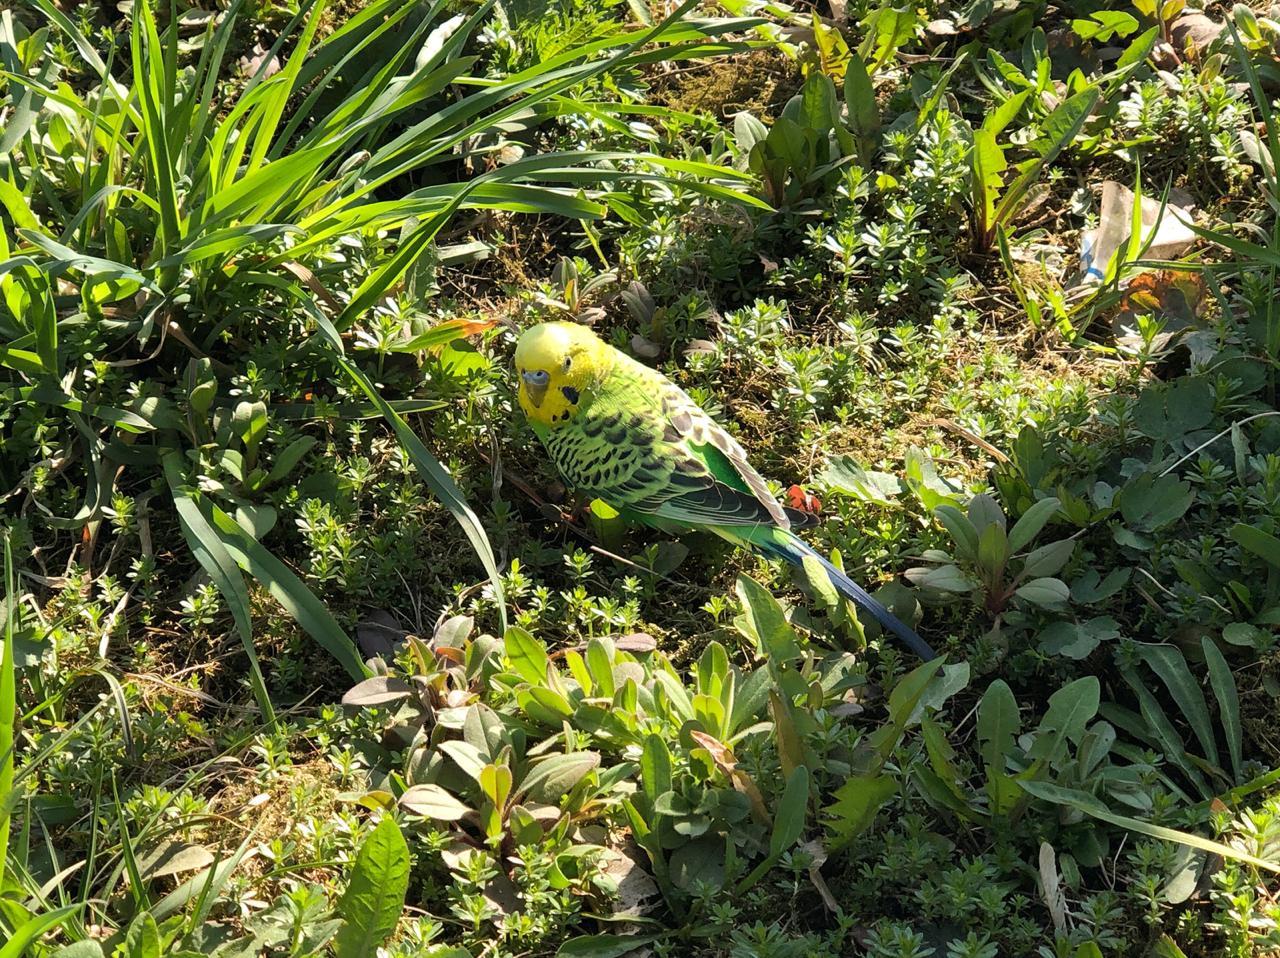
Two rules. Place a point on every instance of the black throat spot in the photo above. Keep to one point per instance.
(570, 393)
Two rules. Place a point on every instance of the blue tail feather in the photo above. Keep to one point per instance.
(794, 550)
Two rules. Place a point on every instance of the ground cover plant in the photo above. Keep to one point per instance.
(308, 652)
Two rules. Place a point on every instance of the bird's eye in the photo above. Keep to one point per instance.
(567, 361)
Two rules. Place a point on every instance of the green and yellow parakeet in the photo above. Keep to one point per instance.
(625, 434)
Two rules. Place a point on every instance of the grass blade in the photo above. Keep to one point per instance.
(1224, 690)
(31, 932)
(8, 705)
(299, 601)
(148, 81)
(208, 550)
(433, 474)
(1084, 802)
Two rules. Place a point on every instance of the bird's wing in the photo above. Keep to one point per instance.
(724, 456)
(646, 447)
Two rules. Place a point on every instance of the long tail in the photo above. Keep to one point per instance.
(781, 544)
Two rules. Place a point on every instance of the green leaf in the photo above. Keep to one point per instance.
(287, 589)
(553, 777)
(1224, 690)
(526, 655)
(1031, 522)
(1059, 129)
(1086, 803)
(143, 938)
(374, 899)
(963, 533)
(945, 578)
(998, 727)
(432, 801)
(603, 946)
(1168, 663)
(1048, 559)
(466, 756)
(909, 690)
(88, 948)
(33, 930)
(887, 29)
(208, 548)
(791, 748)
(1163, 731)
(655, 767)
(793, 807)
(846, 476)
(1071, 708)
(1046, 592)
(433, 474)
(855, 806)
(860, 98)
(764, 622)
(1262, 544)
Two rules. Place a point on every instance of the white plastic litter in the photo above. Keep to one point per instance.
(1165, 233)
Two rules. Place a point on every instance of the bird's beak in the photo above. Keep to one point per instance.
(536, 391)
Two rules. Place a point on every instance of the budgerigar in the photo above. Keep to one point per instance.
(625, 434)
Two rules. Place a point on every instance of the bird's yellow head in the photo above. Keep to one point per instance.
(558, 365)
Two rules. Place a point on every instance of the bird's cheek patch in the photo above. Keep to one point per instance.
(570, 393)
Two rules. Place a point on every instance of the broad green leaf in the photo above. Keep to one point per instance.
(371, 905)
(860, 98)
(1168, 663)
(655, 767)
(432, 801)
(998, 727)
(604, 946)
(88, 948)
(553, 777)
(1031, 522)
(34, 929)
(910, 689)
(1046, 592)
(1071, 708)
(526, 655)
(1262, 544)
(764, 621)
(466, 756)
(963, 533)
(1049, 559)
(143, 938)
(855, 806)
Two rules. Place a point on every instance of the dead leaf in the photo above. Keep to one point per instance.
(379, 690)
(645, 348)
(172, 858)
(818, 852)
(637, 893)
(1178, 294)
(379, 634)
(636, 642)
(697, 347)
(1194, 32)
(727, 762)
(1052, 888)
